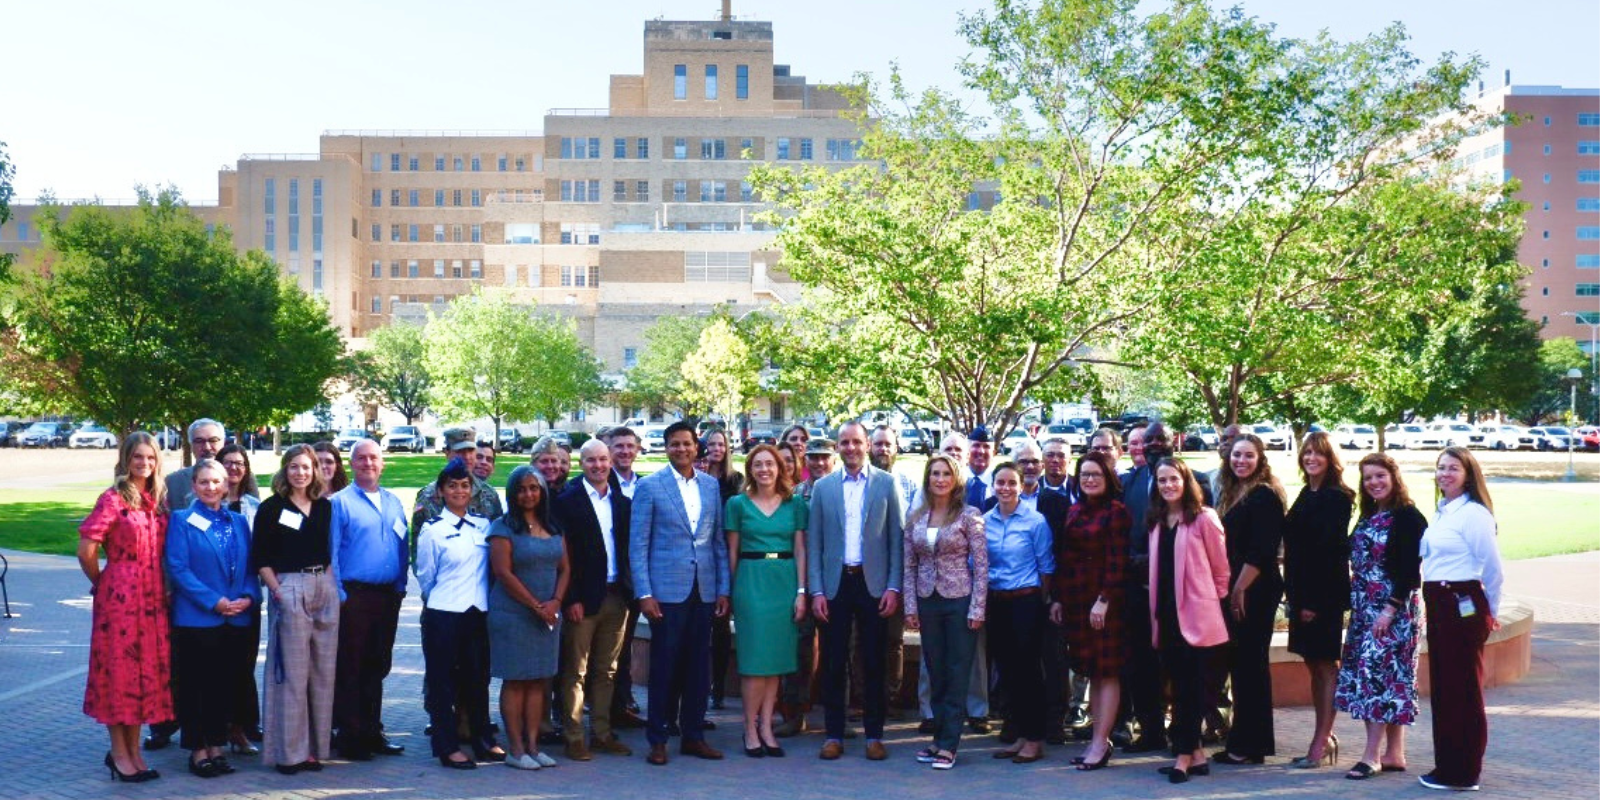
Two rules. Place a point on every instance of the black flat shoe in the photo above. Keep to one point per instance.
(311, 766)
(288, 769)
(1174, 775)
(1200, 769)
(157, 741)
(773, 751)
(220, 763)
(384, 747)
(756, 752)
(462, 764)
(204, 768)
(1225, 757)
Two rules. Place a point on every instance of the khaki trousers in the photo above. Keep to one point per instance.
(589, 651)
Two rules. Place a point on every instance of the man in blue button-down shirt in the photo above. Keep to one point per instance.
(369, 561)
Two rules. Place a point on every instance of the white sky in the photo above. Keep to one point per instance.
(102, 95)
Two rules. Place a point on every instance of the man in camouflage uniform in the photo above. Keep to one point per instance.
(459, 443)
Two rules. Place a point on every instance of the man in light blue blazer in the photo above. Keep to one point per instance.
(854, 568)
(679, 558)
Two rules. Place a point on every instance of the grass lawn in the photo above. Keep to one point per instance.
(1537, 518)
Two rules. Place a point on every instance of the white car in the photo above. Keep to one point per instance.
(407, 438)
(1075, 440)
(1431, 437)
(1206, 433)
(1551, 437)
(92, 435)
(1014, 440)
(347, 439)
(1356, 437)
(1273, 438)
(653, 439)
(1407, 436)
(1456, 434)
(1508, 437)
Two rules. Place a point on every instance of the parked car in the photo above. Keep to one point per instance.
(44, 434)
(1400, 436)
(9, 431)
(1014, 440)
(405, 438)
(92, 435)
(1273, 438)
(509, 440)
(1589, 438)
(653, 439)
(348, 438)
(1356, 437)
(913, 440)
(761, 436)
(562, 438)
(1457, 434)
(817, 432)
(1550, 437)
(1205, 433)
(1432, 437)
(1085, 425)
(1067, 432)
(1507, 437)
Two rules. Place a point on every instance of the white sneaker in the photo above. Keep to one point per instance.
(544, 760)
(523, 761)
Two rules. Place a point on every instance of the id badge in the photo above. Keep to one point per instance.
(1465, 606)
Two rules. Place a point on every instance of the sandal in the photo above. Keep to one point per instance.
(943, 760)
(1360, 772)
(927, 755)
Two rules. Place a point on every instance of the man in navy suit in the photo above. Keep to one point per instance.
(853, 571)
(679, 560)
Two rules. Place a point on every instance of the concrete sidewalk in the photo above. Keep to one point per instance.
(1544, 737)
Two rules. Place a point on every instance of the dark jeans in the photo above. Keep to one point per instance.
(948, 647)
(1249, 670)
(680, 656)
(853, 610)
(1016, 629)
(367, 621)
(1455, 669)
(455, 652)
(1189, 669)
(209, 663)
(1141, 674)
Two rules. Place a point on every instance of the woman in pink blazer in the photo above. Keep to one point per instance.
(1188, 580)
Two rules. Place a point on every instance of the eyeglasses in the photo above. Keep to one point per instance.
(1029, 461)
(234, 464)
(213, 441)
(1100, 448)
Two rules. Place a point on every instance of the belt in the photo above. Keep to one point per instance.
(745, 555)
(369, 587)
(316, 570)
(1454, 584)
(1007, 594)
(852, 570)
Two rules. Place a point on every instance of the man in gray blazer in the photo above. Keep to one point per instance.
(853, 573)
(679, 559)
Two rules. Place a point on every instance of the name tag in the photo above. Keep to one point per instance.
(199, 522)
(290, 519)
(1464, 606)
(400, 529)
(480, 538)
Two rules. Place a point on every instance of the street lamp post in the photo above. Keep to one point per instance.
(1594, 356)
(1574, 377)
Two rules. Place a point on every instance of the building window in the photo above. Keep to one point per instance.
(711, 81)
(438, 232)
(522, 164)
(1547, 149)
(680, 81)
(747, 148)
(412, 233)
(641, 191)
(377, 304)
(500, 163)
(1547, 235)
(1589, 176)
(477, 198)
(630, 357)
(1547, 177)
(394, 269)
(438, 268)
(270, 196)
(580, 276)
(394, 233)
(680, 148)
(580, 233)
(1588, 233)
(412, 165)
(641, 147)
(376, 164)
(455, 268)
(713, 149)
(415, 198)
(477, 234)
(394, 162)
(1588, 318)
(413, 269)
(316, 275)
(1544, 292)
(783, 148)
(1589, 290)
(455, 233)
(477, 164)
(455, 198)
(842, 149)
(476, 265)
(438, 163)
(456, 163)
(1587, 120)
(741, 82)
(271, 234)
(294, 233)
(716, 267)
(438, 197)
(1589, 204)
(1588, 148)
(394, 197)
(1589, 261)
(377, 198)
(394, 304)
(805, 150)
(619, 191)
(580, 147)
(746, 192)
(377, 269)
(377, 232)
(580, 191)
(680, 191)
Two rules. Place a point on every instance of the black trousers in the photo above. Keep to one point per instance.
(247, 696)
(1141, 674)
(367, 621)
(1190, 670)
(1250, 672)
(1016, 638)
(680, 656)
(209, 664)
(852, 610)
(455, 650)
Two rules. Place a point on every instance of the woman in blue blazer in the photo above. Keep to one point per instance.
(214, 595)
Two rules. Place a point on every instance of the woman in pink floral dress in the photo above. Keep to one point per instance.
(129, 649)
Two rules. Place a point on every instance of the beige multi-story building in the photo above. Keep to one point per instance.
(612, 216)
(1552, 146)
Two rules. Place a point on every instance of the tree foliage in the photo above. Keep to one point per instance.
(8, 172)
(142, 317)
(722, 374)
(656, 381)
(393, 372)
(491, 358)
(1552, 396)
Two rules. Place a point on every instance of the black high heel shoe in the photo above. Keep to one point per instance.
(1086, 765)
(137, 776)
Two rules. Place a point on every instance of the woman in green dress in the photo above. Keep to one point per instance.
(767, 530)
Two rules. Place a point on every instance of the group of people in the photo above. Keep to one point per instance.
(1138, 606)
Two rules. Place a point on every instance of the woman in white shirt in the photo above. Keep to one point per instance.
(453, 570)
(1461, 586)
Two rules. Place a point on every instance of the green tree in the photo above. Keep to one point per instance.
(141, 317)
(8, 172)
(722, 374)
(491, 358)
(655, 382)
(1552, 397)
(393, 372)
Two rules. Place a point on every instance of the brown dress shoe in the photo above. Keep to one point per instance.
(876, 751)
(658, 755)
(831, 750)
(611, 747)
(578, 752)
(700, 750)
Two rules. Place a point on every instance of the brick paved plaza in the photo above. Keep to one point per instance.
(1544, 731)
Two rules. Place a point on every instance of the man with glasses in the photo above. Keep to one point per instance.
(1057, 477)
